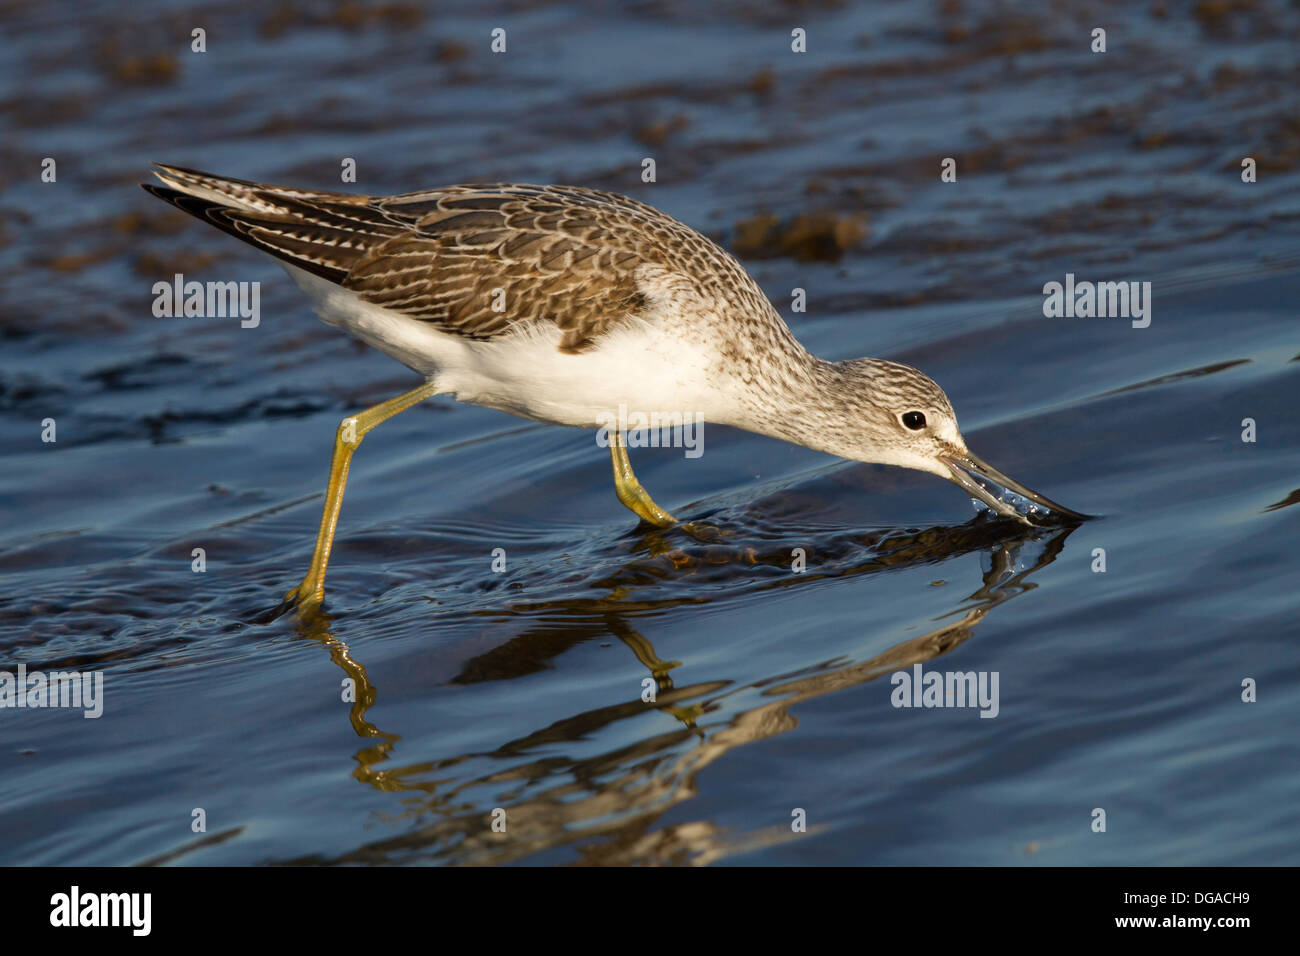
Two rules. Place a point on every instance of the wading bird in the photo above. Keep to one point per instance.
(561, 304)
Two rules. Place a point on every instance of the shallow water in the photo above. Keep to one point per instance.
(522, 690)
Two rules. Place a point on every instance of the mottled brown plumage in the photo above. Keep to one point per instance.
(477, 261)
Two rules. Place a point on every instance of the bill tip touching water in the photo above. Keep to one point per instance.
(562, 304)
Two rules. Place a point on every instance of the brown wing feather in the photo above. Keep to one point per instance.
(475, 261)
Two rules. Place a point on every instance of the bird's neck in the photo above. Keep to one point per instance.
(801, 398)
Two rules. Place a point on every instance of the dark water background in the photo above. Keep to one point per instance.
(522, 691)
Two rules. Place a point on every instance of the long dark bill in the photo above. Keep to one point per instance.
(989, 485)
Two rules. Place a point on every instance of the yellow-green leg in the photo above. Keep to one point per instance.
(309, 595)
(629, 490)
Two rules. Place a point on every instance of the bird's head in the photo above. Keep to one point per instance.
(899, 416)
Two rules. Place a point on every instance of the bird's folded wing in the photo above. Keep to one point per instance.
(475, 261)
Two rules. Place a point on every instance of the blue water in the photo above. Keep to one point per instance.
(522, 690)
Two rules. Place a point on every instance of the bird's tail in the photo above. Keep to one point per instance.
(322, 232)
(237, 193)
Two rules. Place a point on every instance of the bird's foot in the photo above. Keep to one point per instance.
(306, 599)
(707, 533)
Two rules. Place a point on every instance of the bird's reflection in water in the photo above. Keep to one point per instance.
(607, 805)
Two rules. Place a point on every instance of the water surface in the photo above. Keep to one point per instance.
(522, 690)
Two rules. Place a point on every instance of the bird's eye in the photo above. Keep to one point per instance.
(914, 420)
